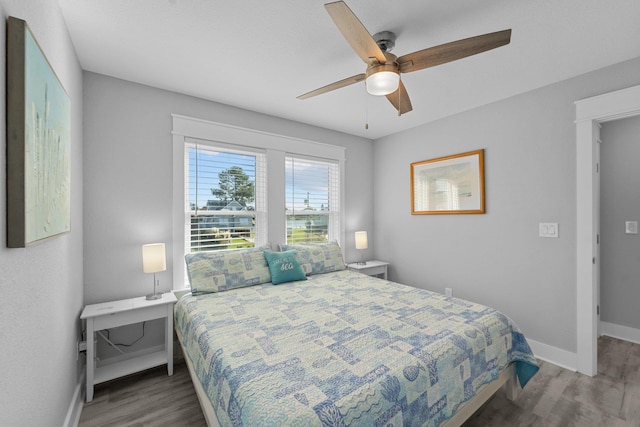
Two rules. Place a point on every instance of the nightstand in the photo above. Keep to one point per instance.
(126, 312)
(371, 268)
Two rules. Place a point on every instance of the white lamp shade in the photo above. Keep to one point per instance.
(361, 240)
(383, 83)
(153, 258)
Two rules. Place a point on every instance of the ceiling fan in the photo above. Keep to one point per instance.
(384, 68)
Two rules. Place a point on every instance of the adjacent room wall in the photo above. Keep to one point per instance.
(497, 258)
(42, 288)
(128, 180)
(620, 202)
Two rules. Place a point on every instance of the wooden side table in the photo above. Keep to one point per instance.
(371, 268)
(126, 312)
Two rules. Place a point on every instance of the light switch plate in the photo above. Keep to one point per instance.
(631, 227)
(548, 229)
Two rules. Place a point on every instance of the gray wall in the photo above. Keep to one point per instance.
(620, 202)
(42, 285)
(128, 180)
(497, 258)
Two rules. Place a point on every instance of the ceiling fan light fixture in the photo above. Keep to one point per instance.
(382, 82)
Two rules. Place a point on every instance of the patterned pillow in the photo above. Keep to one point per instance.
(224, 270)
(318, 258)
(284, 267)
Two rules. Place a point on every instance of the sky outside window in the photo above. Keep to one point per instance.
(204, 169)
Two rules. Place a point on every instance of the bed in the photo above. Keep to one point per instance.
(337, 347)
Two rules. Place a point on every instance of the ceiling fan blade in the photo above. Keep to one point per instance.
(448, 52)
(355, 33)
(333, 86)
(400, 100)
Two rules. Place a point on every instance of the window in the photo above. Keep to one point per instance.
(312, 200)
(217, 211)
(225, 197)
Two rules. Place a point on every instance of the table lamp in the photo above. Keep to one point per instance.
(362, 243)
(153, 261)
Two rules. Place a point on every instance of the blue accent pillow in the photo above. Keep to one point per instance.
(284, 267)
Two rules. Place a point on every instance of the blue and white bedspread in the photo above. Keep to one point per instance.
(344, 349)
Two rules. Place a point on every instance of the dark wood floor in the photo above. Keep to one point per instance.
(554, 397)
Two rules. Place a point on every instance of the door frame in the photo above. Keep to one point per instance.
(590, 112)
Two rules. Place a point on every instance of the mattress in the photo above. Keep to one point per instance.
(344, 349)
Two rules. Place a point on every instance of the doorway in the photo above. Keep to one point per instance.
(590, 113)
(619, 246)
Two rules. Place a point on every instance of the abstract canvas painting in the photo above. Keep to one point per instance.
(38, 142)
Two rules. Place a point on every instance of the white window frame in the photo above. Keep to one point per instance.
(276, 147)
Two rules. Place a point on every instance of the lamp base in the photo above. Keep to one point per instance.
(154, 296)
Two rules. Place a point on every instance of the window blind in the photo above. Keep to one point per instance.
(312, 199)
(225, 197)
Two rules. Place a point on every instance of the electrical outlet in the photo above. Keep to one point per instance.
(448, 292)
(81, 346)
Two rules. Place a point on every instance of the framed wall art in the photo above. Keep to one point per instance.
(38, 143)
(448, 185)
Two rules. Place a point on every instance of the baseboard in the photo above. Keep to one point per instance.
(77, 403)
(569, 360)
(621, 332)
(557, 356)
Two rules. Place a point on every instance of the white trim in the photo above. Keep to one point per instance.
(77, 403)
(590, 113)
(220, 132)
(620, 331)
(557, 356)
(609, 106)
(177, 203)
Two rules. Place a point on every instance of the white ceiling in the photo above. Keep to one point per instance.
(259, 55)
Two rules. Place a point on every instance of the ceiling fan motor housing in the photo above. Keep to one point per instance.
(386, 40)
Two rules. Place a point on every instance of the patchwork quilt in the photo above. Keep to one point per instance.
(344, 349)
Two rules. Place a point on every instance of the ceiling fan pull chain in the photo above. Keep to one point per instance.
(399, 97)
(366, 108)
